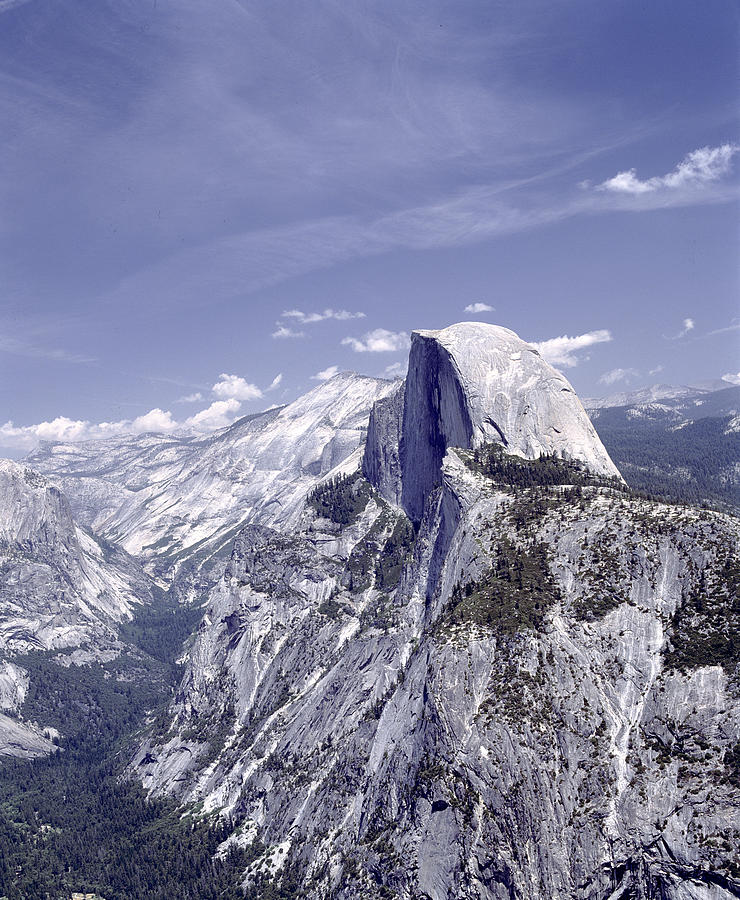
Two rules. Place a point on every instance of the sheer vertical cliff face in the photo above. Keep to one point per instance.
(468, 385)
(436, 416)
(532, 694)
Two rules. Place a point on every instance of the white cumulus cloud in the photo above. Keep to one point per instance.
(326, 374)
(62, 428)
(699, 167)
(478, 308)
(234, 386)
(218, 415)
(561, 351)
(231, 391)
(688, 325)
(615, 375)
(731, 377)
(380, 340)
(154, 420)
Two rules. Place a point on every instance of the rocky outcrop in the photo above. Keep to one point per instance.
(472, 384)
(60, 587)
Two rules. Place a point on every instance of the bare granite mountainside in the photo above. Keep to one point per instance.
(444, 653)
(172, 500)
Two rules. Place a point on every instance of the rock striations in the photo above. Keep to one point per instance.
(60, 587)
(532, 693)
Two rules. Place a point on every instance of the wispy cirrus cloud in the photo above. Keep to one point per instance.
(380, 340)
(733, 326)
(249, 261)
(34, 351)
(564, 350)
(304, 318)
(698, 168)
(688, 326)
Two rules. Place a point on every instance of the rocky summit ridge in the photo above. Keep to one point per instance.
(458, 658)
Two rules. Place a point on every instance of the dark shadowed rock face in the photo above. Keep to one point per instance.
(381, 463)
(533, 693)
(436, 416)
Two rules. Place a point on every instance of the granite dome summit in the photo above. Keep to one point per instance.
(467, 385)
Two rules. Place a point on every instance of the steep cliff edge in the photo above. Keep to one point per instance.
(536, 696)
(468, 385)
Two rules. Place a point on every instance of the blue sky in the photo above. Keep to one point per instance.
(176, 176)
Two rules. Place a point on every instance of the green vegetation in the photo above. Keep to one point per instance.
(513, 595)
(683, 465)
(705, 629)
(161, 629)
(331, 609)
(395, 553)
(505, 469)
(341, 499)
(732, 764)
(381, 563)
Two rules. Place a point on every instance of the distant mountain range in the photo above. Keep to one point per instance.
(682, 444)
(659, 392)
